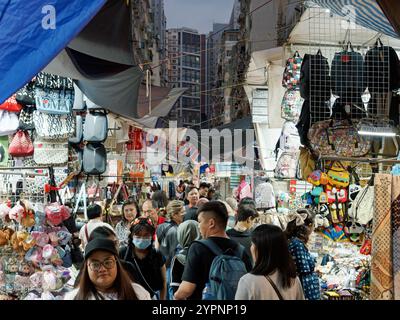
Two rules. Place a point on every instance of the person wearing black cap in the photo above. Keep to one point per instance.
(94, 214)
(103, 277)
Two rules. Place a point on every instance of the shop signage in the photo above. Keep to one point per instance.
(260, 106)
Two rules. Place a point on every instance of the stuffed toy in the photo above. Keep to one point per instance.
(339, 179)
(5, 236)
(28, 218)
(317, 178)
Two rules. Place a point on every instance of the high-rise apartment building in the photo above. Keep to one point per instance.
(160, 28)
(186, 69)
(212, 53)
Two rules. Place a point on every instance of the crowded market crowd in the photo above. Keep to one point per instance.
(178, 249)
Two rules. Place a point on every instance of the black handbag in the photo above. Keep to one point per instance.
(26, 95)
(26, 119)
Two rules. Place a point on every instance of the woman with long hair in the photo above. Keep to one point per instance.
(273, 276)
(130, 211)
(298, 231)
(147, 263)
(103, 277)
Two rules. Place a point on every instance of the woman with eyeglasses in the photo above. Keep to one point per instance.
(103, 277)
(147, 263)
(130, 211)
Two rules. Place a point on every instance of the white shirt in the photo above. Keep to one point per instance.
(253, 287)
(142, 294)
(90, 226)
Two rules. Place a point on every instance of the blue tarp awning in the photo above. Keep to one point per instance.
(366, 13)
(28, 40)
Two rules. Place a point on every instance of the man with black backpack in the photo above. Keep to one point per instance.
(215, 264)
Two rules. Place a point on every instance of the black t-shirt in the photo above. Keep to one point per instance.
(199, 260)
(150, 268)
(244, 238)
(191, 213)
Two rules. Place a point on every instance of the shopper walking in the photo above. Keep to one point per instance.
(187, 232)
(203, 190)
(241, 231)
(213, 218)
(191, 208)
(167, 239)
(130, 211)
(148, 264)
(150, 210)
(106, 233)
(103, 277)
(95, 216)
(298, 231)
(274, 274)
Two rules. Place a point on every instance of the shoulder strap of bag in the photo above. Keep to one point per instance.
(144, 279)
(210, 244)
(274, 287)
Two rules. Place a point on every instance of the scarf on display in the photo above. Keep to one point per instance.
(396, 235)
(382, 255)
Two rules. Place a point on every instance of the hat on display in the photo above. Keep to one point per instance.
(100, 244)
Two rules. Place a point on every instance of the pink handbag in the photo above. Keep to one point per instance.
(21, 145)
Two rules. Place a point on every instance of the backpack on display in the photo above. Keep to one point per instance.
(286, 166)
(94, 159)
(78, 131)
(289, 140)
(382, 67)
(225, 272)
(96, 127)
(291, 75)
(292, 103)
(348, 75)
(315, 81)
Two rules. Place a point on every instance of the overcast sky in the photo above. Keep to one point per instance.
(197, 14)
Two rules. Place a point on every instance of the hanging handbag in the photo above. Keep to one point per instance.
(50, 152)
(26, 95)
(96, 127)
(8, 123)
(11, 105)
(21, 145)
(362, 208)
(26, 119)
(54, 101)
(53, 127)
(306, 163)
(337, 138)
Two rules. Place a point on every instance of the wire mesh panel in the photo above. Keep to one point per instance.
(348, 68)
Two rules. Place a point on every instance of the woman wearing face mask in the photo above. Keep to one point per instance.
(130, 211)
(149, 264)
(103, 277)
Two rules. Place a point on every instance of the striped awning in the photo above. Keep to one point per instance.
(366, 13)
